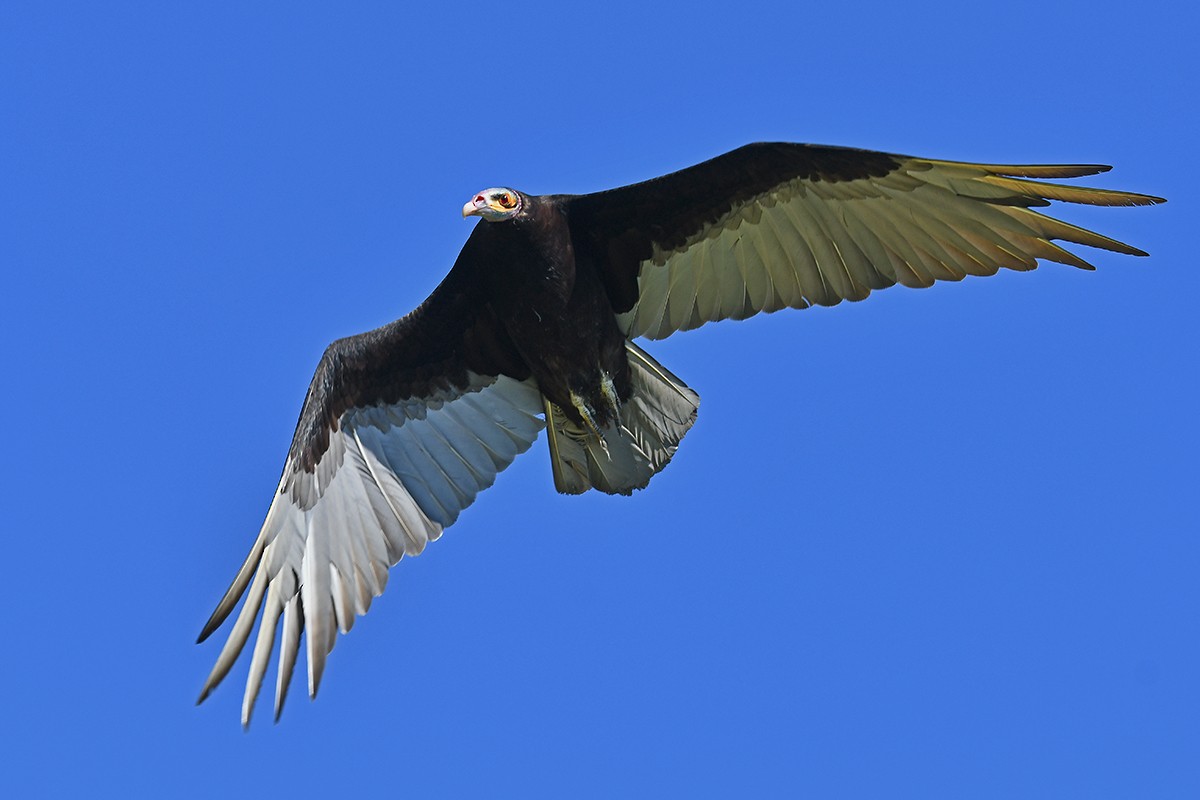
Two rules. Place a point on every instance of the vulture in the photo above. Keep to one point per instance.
(535, 326)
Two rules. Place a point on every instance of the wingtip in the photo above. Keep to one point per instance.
(279, 701)
(1082, 170)
(210, 627)
(316, 667)
(1136, 199)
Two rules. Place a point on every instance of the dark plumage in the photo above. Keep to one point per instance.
(534, 327)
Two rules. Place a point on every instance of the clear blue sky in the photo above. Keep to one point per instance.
(939, 543)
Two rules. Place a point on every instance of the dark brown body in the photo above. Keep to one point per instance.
(553, 307)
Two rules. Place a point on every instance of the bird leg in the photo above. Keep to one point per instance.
(585, 411)
(589, 419)
(609, 392)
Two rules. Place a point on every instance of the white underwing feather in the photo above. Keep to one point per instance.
(402, 474)
(819, 242)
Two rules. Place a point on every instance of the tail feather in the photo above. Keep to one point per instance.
(652, 422)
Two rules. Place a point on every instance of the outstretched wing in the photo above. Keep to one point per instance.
(401, 428)
(777, 225)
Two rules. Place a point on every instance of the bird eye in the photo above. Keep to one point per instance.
(507, 201)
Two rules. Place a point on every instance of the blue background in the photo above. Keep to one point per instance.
(940, 543)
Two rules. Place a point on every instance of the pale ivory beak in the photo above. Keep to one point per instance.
(473, 206)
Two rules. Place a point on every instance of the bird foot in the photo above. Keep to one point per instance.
(585, 411)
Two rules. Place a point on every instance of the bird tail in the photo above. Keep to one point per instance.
(659, 411)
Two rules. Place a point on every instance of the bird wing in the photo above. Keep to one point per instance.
(401, 428)
(778, 225)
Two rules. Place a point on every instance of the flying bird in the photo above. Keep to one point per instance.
(534, 328)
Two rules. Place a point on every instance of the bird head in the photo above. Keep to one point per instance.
(494, 205)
